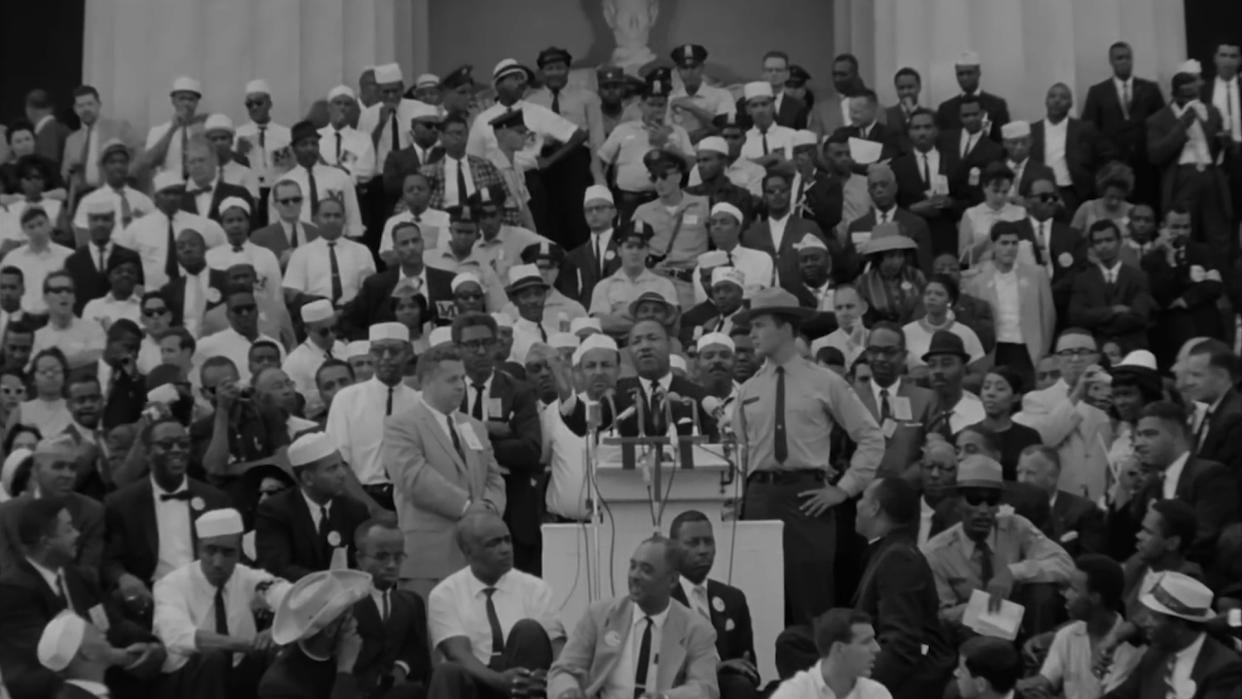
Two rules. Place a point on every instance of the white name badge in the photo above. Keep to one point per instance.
(691, 219)
(99, 617)
(901, 407)
(494, 409)
(469, 436)
(939, 184)
(860, 237)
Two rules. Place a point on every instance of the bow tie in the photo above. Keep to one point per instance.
(182, 495)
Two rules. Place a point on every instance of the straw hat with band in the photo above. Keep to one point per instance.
(774, 301)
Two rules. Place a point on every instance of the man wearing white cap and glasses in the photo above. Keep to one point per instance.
(596, 259)
(356, 418)
(725, 228)
(205, 188)
(1017, 143)
(220, 133)
(310, 527)
(341, 144)
(386, 122)
(78, 651)
(995, 109)
(322, 343)
(236, 216)
(710, 177)
(715, 363)
(1181, 660)
(154, 236)
(767, 143)
(205, 615)
(260, 140)
(165, 145)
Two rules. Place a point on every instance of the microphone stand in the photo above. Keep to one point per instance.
(594, 558)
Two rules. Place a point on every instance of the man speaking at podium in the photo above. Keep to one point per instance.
(785, 415)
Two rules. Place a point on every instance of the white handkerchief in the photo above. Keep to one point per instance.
(1001, 624)
(865, 152)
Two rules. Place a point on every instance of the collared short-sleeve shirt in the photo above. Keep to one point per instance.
(458, 607)
(714, 100)
(266, 266)
(265, 141)
(779, 138)
(691, 240)
(1068, 663)
(615, 293)
(356, 425)
(356, 154)
(625, 148)
(310, 268)
(543, 123)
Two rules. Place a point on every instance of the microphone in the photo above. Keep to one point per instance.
(712, 406)
(625, 414)
(639, 406)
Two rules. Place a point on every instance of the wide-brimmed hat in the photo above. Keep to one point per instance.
(776, 302)
(1177, 594)
(946, 342)
(316, 601)
(523, 277)
(886, 237)
(669, 304)
(979, 471)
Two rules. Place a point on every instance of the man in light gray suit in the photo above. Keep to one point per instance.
(83, 147)
(287, 232)
(442, 466)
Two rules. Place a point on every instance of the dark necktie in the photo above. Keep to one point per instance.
(62, 590)
(338, 147)
(388, 406)
(886, 411)
(337, 292)
(455, 438)
(1202, 433)
(314, 189)
(170, 259)
(926, 170)
(396, 136)
(644, 660)
(477, 411)
(498, 636)
(293, 236)
(763, 135)
(263, 143)
(324, 525)
(1041, 242)
(185, 141)
(103, 258)
(599, 253)
(222, 616)
(385, 609)
(656, 409)
(127, 212)
(543, 334)
(983, 553)
(944, 426)
(729, 257)
(780, 443)
(461, 181)
(556, 101)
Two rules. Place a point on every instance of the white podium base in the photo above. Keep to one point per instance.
(749, 554)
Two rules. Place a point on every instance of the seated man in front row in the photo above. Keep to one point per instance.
(495, 626)
(724, 605)
(642, 645)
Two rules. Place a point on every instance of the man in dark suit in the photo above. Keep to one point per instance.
(1177, 609)
(969, 148)
(649, 344)
(1076, 523)
(42, 584)
(908, 84)
(425, 148)
(1111, 299)
(1183, 140)
(373, 303)
(91, 264)
(789, 110)
(1080, 149)
(54, 475)
(882, 185)
(1163, 443)
(927, 183)
(1186, 283)
(50, 135)
(192, 257)
(596, 259)
(1026, 169)
(1225, 91)
(148, 521)
(395, 661)
(1059, 249)
(759, 235)
(901, 408)
(509, 409)
(1118, 108)
(1211, 377)
(995, 110)
(723, 604)
(206, 189)
(865, 113)
(307, 528)
(287, 231)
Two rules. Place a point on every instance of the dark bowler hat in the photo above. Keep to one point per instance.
(459, 77)
(945, 342)
(773, 301)
(689, 55)
(461, 214)
(510, 119)
(610, 75)
(553, 54)
(798, 76)
(303, 129)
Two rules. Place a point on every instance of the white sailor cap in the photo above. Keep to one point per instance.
(218, 122)
(187, 84)
(1016, 129)
(1190, 67)
(715, 338)
(388, 73)
(465, 278)
(440, 336)
(759, 89)
(98, 207)
(967, 58)
(341, 91)
(388, 331)
(810, 242)
(427, 80)
(583, 324)
(258, 86)
(309, 448)
(724, 207)
(731, 275)
(223, 522)
(234, 203)
(165, 179)
(357, 348)
(61, 640)
(317, 311)
(597, 192)
(804, 137)
(713, 144)
(593, 342)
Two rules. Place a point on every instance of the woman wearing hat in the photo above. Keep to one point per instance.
(892, 284)
(977, 221)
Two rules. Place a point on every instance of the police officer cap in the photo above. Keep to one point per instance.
(689, 55)
(610, 75)
(491, 197)
(553, 54)
(461, 214)
(658, 161)
(459, 77)
(733, 120)
(543, 250)
(303, 129)
(659, 83)
(509, 120)
(634, 230)
(798, 76)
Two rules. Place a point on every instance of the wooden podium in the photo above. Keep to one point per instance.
(584, 563)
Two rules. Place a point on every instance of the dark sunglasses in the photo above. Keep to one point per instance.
(468, 296)
(153, 312)
(289, 200)
(170, 444)
(1048, 197)
(59, 290)
(975, 498)
(331, 330)
(255, 103)
(243, 308)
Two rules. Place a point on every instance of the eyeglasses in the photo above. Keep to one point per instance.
(331, 330)
(255, 103)
(59, 290)
(469, 296)
(394, 349)
(242, 308)
(1047, 197)
(975, 498)
(287, 201)
(180, 444)
(884, 351)
(153, 312)
(1075, 353)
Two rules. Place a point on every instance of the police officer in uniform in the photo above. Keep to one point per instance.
(679, 220)
(695, 105)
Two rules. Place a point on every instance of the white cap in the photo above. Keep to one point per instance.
(440, 336)
(597, 192)
(310, 448)
(519, 273)
(165, 179)
(583, 323)
(810, 242)
(357, 348)
(503, 320)
(505, 67)
(1138, 358)
(258, 86)
(756, 90)
(388, 331)
(563, 340)
(593, 342)
(423, 111)
(464, 278)
(222, 522)
(388, 73)
(218, 122)
(676, 361)
(712, 258)
(427, 80)
(967, 58)
(234, 203)
(715, 339)
(1177, 594)
(317, 311)
(732, 275)
(315, 601)
(725, 207)
(1016, 129)
(1190, 67)
(805, 137)
(186, 84)
(98, 206)
(61, 640)
(713, 144)
(341, 91)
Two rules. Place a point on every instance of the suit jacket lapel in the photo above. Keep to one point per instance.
(672, 647)
(430, 423)
(146, 518)
(616, 625)
(304, 524)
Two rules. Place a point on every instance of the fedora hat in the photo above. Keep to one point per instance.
(773, 301)
(979, 471)
(1179, 595)
(886, 237)
(946, 342)
(316, 601)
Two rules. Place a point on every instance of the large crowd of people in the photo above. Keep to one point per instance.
(286, 407)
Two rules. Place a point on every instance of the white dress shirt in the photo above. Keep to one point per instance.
(1055, 136)
(809, 684)
(148, 236)
(264, 141)
(1008, 307)
(35, 266)
(139, 205)
(543, 123)
(265, 263)
(232, 344)
(620, 682)
(107, 309)
(451, 166)
(304, 360)
(310, 268)
(172, 157)
(968, 411)
(1196, 150)
(433, 223)
(172, 524)
(457, 606)
(696, 595)
(329, 181)
(1172, 474)
(194, 304)
(356, 155)
(1225, 99)
(926, 513)
(779, 138)
(565, 454)
(356, 424)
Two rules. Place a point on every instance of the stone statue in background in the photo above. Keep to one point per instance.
(631, 22)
